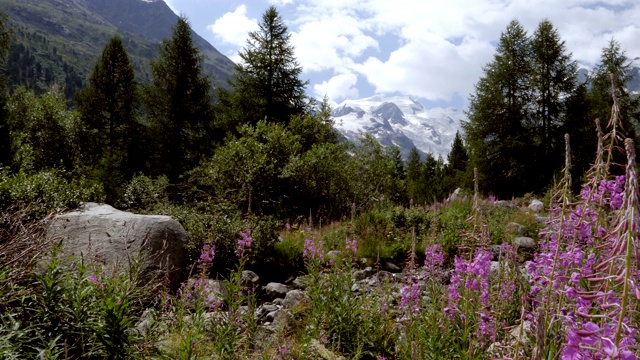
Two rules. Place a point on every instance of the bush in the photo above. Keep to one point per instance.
(44, 191)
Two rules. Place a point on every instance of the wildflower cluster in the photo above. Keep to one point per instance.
(433, 260)
(205, 261)
(351, 246)
(410, 298)
(581, 280)
(99, 279)
(313, 250)
(469, 294)
(244, 243)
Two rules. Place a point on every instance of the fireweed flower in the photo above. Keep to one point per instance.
(98, 279)
(207, 254)
(351, 246)
(434, 259)
(410, 298)
(313, 250)
(244, 243)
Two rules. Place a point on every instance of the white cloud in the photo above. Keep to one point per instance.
(427, 48)
(338, 87)
(437, 49)
(234, 27)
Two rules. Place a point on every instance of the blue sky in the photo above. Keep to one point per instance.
(431, 50)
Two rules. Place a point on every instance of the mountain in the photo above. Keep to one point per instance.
(400, 121)
(59, 41)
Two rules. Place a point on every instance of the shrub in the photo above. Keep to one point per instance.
(44, 191)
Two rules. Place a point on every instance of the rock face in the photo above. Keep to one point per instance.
(101, 234)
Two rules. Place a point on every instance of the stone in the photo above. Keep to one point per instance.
(503, 203)
(391, 267)
(363, 274)
(536, 205)
(276, 290)
(524, 243)
(516, 229)
(281, 319)
(295, 298)
(300, 282)
(102, 235)
(334, 254)
(248, 277)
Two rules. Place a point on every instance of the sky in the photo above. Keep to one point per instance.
(431, 50)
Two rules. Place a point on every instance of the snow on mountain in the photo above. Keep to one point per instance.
(399, 120)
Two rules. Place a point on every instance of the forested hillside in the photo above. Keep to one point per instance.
(58, 42)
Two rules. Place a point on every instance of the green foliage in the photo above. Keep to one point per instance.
(179, 104)
(376, 171)
(611, 75)
(110, 133)
(6, 156)
(518, 112)
(41, 192)
(77, 312)
(42, 130)
(352, 325)
(266, 83)
(495, 130)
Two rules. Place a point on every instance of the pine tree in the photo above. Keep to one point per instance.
(495, 132)
(456, 168)
(458, 157)
(267, 83)
(108, 112)
(553, 84)
(613, 61)
(413, 167)
(6, 157)
(179, 104)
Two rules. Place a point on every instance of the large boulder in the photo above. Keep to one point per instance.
(103, 235)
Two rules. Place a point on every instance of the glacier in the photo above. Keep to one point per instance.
(401, 121)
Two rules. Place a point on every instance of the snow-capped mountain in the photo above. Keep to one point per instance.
(399, 120)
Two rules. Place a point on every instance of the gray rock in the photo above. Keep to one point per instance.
(503, 203)
(334, 254)
(524, 243)
(300, 282)
(281, 319)
(276, 290)
(536, 205)
(363, 274)
(278, 301)
(103, 235)
(294, 299)
(516, 229)
(145, 323)
(248, 277)
(391, 267)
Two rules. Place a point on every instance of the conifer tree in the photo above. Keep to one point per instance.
(458, 157)
(413, 167)
(267, 83)
(553, 84)
(179, 104)
(613, 61)
(495, 132)
(108, 112)
(6, 157)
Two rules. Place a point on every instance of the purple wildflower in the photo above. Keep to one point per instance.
(244, 243)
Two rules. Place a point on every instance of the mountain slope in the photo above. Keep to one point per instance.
(399, 121)
(59, 41)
